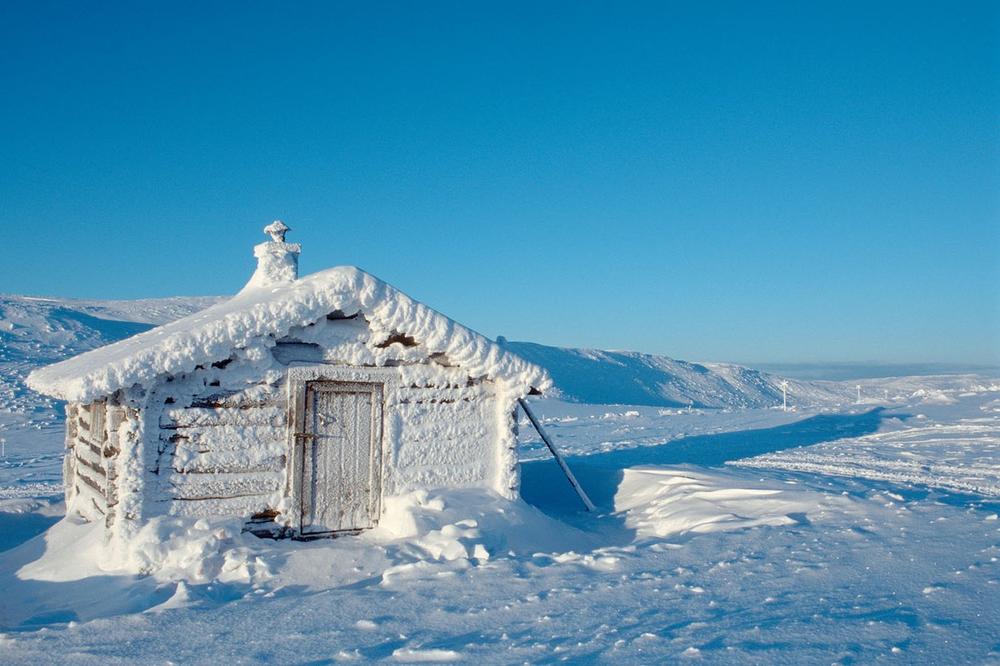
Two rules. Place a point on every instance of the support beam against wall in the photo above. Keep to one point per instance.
(555, 453)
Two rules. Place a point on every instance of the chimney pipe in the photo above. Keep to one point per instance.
(277, 261)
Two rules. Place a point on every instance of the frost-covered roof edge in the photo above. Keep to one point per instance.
(214, 333)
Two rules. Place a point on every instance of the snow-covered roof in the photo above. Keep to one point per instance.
(213, 334)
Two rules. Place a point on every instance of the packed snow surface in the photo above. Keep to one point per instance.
(686, 557)
(836, 532)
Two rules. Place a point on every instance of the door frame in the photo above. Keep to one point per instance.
(381, 383)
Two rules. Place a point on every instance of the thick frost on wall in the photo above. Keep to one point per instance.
(102, 475)
(216, 439)
(447, 437)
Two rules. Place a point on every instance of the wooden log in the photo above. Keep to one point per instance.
(221, 486)
(224, 438)
(86, 444)
(89, 485)
(201, 417)
(86, 455)
(259, 395)
(96, 468)
(207, 464)
(246, 505)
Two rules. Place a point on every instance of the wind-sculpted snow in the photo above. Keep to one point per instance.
(962, 457)
(685, 557)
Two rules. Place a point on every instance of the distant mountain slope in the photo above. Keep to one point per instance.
(633, 378)
(38, 331)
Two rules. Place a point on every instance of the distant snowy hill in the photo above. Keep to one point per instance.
(633, 378)
(38, 331)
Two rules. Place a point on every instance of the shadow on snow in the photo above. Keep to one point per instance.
(32, 604)
(543, 485)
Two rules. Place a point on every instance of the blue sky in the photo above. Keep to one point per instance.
(772, 182)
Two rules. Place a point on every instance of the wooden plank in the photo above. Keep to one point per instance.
(88, 503)
(117, 416)
(98, 469)
(92, 485)
(223, 439)
(296, 401)
(247, 399)
(206, 463)
(375, 498)
(270, 415)
(246, 505)
(86, 455)
(98, 412)
(89, 445)
(208, 486)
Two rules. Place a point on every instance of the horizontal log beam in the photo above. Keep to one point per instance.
(193, 417)
(97, 469)
(90, 485)
(205, 486)
(204, 464)
(86, 454)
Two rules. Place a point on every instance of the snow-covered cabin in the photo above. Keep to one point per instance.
(297, 405)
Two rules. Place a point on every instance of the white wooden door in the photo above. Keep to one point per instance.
(341, 456)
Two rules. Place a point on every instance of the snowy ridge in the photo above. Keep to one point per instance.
(633, 378)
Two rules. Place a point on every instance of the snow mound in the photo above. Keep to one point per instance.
(669, 502)
(932, 397)
(416, 529)
(472, 524)
(194, 550)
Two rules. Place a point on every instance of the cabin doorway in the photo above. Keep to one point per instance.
(339, 442)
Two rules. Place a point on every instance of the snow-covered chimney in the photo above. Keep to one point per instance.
(277, 261)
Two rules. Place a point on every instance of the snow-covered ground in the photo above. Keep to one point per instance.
(831, 533)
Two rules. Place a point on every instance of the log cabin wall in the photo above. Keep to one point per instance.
(90, 466)
(223, 453)
(215, 441)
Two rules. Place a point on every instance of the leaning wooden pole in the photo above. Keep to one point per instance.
(559, 459)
